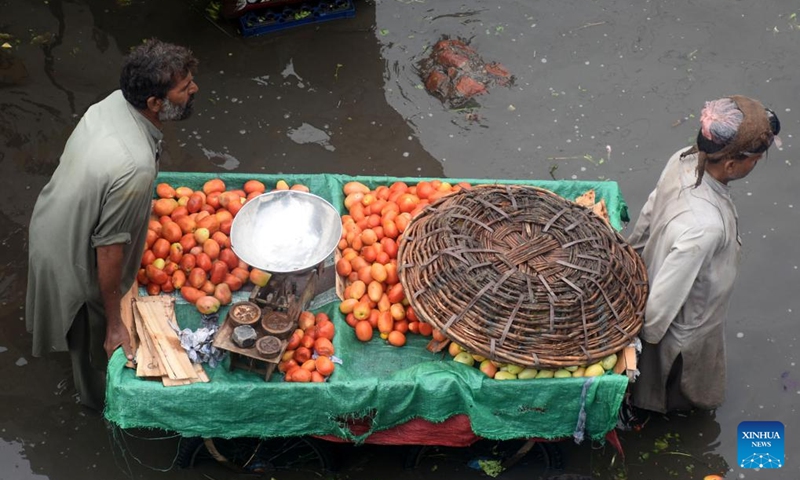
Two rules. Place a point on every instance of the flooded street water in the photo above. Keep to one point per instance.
(602, 90)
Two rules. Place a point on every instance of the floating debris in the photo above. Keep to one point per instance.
(310, 134)
(455, 73)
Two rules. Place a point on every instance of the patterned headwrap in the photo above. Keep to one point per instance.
(731, 127)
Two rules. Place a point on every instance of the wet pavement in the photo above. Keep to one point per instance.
(602, 90)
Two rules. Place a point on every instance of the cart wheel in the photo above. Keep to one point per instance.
(253, 455)
(544, 454)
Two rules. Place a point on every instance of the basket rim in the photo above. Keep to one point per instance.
(495, 346)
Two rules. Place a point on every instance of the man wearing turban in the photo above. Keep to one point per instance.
(687, 234)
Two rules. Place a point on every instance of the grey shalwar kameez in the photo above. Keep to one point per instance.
(688, 238)
(99, 195)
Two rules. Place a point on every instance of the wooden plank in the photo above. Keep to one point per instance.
(201, 373)
(626, 362)
(201, 377)
(169, 382)
(156, 316)
(147, 362)
(126, 312)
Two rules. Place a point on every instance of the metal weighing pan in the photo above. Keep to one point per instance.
(286, 231)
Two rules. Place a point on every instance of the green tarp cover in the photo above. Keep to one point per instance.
(387, 384)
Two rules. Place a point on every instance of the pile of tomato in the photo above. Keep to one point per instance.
(309, 353)
(373, 297)
(188, 248)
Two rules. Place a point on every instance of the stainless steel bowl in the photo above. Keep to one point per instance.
(285, 231)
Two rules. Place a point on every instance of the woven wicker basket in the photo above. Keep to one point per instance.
(521, 275)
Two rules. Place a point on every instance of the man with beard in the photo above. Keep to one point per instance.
(89, 225)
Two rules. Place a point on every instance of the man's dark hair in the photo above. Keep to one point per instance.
(152, 69)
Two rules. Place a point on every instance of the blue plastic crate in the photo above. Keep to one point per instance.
(280, 18)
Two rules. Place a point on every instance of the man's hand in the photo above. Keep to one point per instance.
(117, 336)
(109, 273)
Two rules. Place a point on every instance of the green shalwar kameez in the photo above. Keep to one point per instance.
(100, 194)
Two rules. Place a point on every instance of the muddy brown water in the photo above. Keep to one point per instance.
(603, 90)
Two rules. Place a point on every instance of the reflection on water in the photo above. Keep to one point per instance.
(13, 463)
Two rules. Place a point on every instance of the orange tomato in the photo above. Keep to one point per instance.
(241, 273)
(203, 261)
(373, 318)
(363, 331)
(187, 263)
(164, 206)
(171, 232)
(391, 273)
(323, 346)
(438, 335)
(390, 247)
(395, 293)
(294, 340)
(175, 252)
(364, 274)
(348, 305)
(361, 310)
(195, 203)
(165, 190)
(229, 258)
(399, 186)
(310, 365)
(425, 329)
(214, 185)
(148, 257)
(222, 240)
(251, 186)
(384, 304)
(378, 272)
(179, 213)
(343, 267)
(325, 329)
(325, 366)
(402, 221)
(370, 253)
(287, 365)
(396, 338)
(234, 282)
(211, 248)
(397, 311)
(219, 270)
(141, 277)
(155, 226)
(424, 189)
(300, 375)
(375, 291)
(401, 326)
(187, 224)
(353, 187)
(368, 236)
(161, 248)
(210, 222)
(191, 294)
(385, 322)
